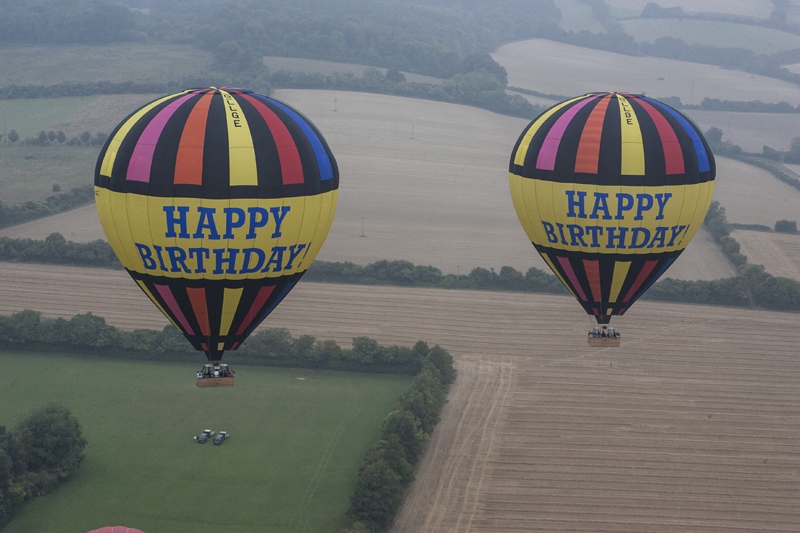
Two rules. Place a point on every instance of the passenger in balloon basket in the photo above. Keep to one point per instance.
(604, 332)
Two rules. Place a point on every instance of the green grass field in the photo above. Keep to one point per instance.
(29, 172)
(297, 439)
(30, 116)
(708, 32)
(116, 62)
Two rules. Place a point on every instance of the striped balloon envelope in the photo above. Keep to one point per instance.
(216, 202)
(610, 188)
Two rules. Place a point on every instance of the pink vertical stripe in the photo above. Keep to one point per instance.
(291, 166)
(565, 264)
(673, 155)
(547, 154)
(166, 293)
(646, 269)
(258, 303)
(142, 158)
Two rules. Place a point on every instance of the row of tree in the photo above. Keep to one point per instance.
(56, 250)
(88, 333)
(44, 447)
(479, 88)
(387, 469)
(46, 138)
(57, 203)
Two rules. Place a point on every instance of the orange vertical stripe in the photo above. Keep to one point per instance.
(198, 299)
(588, 155)
(189, 163)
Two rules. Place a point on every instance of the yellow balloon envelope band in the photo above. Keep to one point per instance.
(216, 201)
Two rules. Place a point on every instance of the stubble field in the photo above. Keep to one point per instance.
(778, 252)
(573, 70)
(691, 425)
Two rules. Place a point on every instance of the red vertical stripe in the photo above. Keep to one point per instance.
(592, 269)
(198, 299)
(189, 162)
(646, 270)
(258, 303)
(291, 166)
(588, 155)
(673, 155)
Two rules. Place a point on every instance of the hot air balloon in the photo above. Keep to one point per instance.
(610, 188)
(216, 201)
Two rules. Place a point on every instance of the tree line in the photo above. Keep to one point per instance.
(57, 203)
(88, 333)
(45, 447)
(387, 468)
(56, 250)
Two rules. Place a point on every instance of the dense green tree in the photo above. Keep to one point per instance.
(92, 331)
(409, 431)
(786, 226)
(377, 497)
(53, 444)
(13, 136)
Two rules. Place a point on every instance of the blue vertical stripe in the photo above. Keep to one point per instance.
(324, 164)
(700, 150)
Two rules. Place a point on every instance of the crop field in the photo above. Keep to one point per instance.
(745, 8)
(714, 33)
(691, 425)
(572, 70)
(751, 195)
(778, 252)
(297, 440)
(751, 131)
(440, 198)
(114, 62)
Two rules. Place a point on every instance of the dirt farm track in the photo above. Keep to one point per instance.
(693, 425)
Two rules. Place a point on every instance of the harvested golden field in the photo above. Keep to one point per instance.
(751, 195)
(778, 252)
(693, 424)
(746, 8)
(557, 68)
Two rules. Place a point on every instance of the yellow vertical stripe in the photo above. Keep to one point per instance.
(553, 268)
(522, 151)
(620, 273)
(240, 144)
(152, 299)
(113, 146)
(230, 302)
(632, 146)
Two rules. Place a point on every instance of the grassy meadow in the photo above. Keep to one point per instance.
(30, 116)
(297, 439)
(713, 33)
(115, 62)
(27, 173)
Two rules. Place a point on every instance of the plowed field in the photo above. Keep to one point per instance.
(692, 425)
